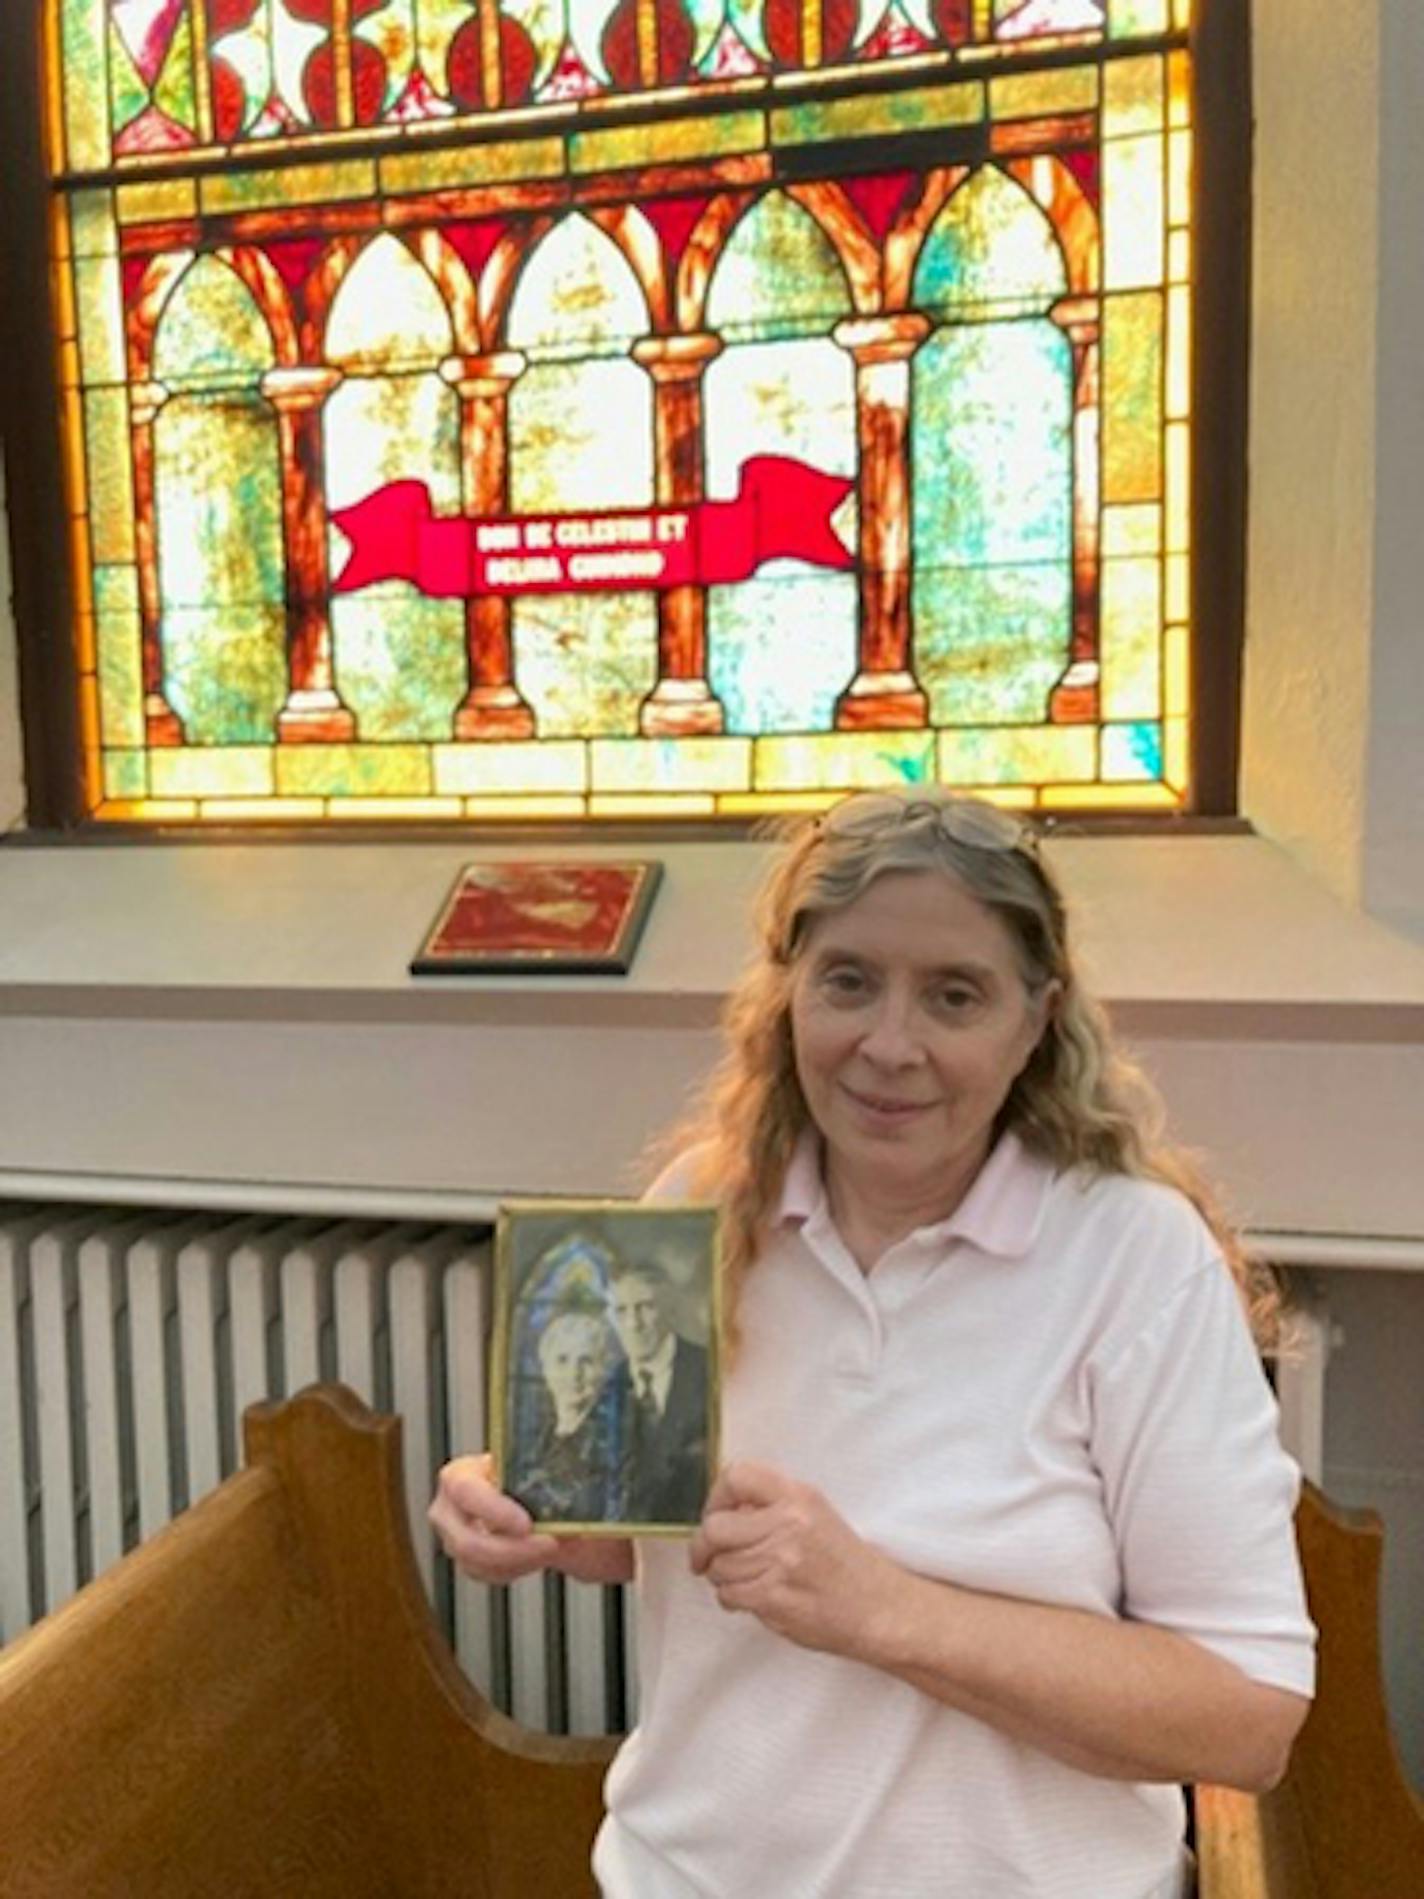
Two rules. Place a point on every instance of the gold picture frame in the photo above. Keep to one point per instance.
(605, 1373)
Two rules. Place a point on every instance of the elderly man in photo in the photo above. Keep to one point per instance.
(663, 1398)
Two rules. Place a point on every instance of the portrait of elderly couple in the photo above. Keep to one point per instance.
(604, 1367)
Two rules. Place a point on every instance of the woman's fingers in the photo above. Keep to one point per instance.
(487, 1534)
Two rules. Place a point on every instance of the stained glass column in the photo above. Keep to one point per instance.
(682, 702)
(162, 726)
(492, 707)
(313, 711)
(884, 692)
(1074, 700)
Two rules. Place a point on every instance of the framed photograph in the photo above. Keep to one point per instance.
(534, 915)
(605, 1376)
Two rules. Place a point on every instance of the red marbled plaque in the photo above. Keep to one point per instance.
(540, 915)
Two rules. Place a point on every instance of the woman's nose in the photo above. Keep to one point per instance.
(891, 1036)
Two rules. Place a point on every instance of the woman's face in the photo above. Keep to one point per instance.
(910, 1021)
(573, 1359)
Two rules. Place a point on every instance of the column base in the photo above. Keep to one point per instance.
(161, 724)
(494, 712)
(315, 716)
(882, 702)
(1074, 700)
(681, 708)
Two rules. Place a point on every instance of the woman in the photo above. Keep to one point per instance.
(571, 1474)
(1002, 1549)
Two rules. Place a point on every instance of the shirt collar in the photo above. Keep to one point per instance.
(1001, 1213)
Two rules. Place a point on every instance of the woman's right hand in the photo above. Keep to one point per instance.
(492, 1538)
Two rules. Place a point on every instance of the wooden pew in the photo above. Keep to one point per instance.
(258, 1702)
(1344, 1823)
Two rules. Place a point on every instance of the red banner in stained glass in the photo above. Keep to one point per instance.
(782, 510)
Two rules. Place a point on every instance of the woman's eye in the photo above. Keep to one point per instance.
(843, 981)
(955, 1000)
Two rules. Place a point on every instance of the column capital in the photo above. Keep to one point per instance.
(676, 358)
(1078, 317)
(892, 337)
(145, 400)
(487, 375)
(293, 388)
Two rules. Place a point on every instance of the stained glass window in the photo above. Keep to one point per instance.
(564, 408)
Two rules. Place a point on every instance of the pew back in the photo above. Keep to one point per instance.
(258, 1702)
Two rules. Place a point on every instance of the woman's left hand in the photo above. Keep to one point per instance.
(776, 1549)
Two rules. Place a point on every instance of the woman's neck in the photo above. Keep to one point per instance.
(872, 1214)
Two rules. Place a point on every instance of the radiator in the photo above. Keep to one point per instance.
(131, 1341)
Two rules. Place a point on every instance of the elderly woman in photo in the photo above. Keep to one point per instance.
(573, 1470)
(1001, 1552)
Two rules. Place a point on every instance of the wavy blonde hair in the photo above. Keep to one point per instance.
(1078, 1101)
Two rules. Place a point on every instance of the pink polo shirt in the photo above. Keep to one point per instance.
(1052, 1394)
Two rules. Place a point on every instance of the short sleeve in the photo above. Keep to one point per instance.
(1200, 1493)
(682, 1178)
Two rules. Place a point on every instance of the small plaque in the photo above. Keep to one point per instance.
(533, 916)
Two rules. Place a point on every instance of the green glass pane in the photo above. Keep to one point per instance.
(99, 304)
(388, 312)
(881, 115)
(109, 470)
(92, 229)
(673, 142)
(85, 84)
(221, 566)
(585, 663)
(577, 296)
(400, 658)
(670, 764)
(1132, 398)
(1129, 18)
(582, 436)
(1019, 755)
(119, 638)
(174, 92)
(125, 774)
(990, 253)
(778, 275)
(992, 484)
(1131, 639)
(353, 771)
(782, 646)
(843, 761)
(400, 663)
(211, 334)
(128, 95)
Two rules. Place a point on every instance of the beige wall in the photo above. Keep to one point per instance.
(1333, 697)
